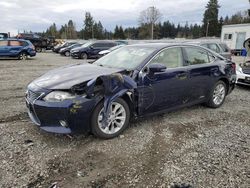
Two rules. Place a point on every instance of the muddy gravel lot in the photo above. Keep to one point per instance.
(192, 147)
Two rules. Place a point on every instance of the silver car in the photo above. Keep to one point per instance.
(218, 47)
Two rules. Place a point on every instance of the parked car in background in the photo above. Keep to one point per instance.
(40, 43)
(218, 47)
(16, 48)
(105, 52)
(66, 50)
(63, 45)
(90, 50)
(3, 36)
(243, 69)
(243, 73)
(130, 82)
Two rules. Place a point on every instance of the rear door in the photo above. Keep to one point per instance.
(164, 90)
(3, 47)
(95, 49)
(15, 47)
(201, 70)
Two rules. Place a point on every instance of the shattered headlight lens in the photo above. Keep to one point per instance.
(58, 96)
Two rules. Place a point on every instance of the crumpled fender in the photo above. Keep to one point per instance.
(115, 86)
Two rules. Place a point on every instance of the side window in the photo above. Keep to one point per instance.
(111, 45)
(15, 43)
(196, 56)
(3, 43)
(97, 45)
(171, 58)
(214, 47)
(24, 43)
(228, 36)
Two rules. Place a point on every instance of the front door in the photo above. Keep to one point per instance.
(166, 89)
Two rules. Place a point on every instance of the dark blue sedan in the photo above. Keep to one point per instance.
(131, 82)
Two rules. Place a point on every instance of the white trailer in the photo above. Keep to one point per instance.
(235, 35)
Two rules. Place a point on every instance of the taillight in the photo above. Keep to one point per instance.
(33, 47)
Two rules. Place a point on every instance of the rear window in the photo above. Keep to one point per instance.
(224, 47)
(214, 47)
(3, 43)
(15, 43)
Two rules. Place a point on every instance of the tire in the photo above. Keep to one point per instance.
(23, 56)
(67, 54)
(218, 95)
(84, 56)
(38, 49)
(122, 115)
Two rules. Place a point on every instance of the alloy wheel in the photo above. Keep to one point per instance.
(116, 119)
(67, 54)
(23, 56)
(219, 94)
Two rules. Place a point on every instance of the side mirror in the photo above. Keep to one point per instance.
(156, 67)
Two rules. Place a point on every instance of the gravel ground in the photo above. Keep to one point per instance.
(192, 147)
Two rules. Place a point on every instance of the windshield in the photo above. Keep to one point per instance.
(87, 44)
(128, 57)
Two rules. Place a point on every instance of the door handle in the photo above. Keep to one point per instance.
(182, 76)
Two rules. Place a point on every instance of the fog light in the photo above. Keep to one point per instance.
(63, 123)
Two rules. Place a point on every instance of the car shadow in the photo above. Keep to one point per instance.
(247, 88)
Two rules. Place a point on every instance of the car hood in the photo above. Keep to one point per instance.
(68, 76)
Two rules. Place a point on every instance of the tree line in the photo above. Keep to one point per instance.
(150, 26)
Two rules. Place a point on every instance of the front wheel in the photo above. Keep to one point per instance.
(218, 95)
(118, 119)
(22, 56)
(84, 56)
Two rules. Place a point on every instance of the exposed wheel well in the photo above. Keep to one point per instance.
(226, 82)
(129, 101)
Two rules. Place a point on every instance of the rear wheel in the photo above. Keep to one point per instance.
(84, 56)
(117, 122)
(22, 56)
(218, 95)
(67, 54)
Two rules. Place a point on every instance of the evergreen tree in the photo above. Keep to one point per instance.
(71, 33)
(210, 20)
(88, 26)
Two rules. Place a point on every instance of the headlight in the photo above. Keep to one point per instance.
(57, 96)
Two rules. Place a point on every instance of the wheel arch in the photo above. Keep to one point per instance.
(226, 81)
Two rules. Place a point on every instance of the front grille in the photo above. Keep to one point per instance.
(32, 96)
(246, 70)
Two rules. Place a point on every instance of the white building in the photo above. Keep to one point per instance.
(235, 35)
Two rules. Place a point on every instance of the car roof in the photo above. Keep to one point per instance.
(162, 45)
(16, 39)
(204, 42)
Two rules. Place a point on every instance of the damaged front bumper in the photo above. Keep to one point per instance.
(68, 116)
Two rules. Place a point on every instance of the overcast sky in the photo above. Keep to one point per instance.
(38, 15)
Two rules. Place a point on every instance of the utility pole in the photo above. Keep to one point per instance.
(207, 28)
(152, 22)
(92, 31)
